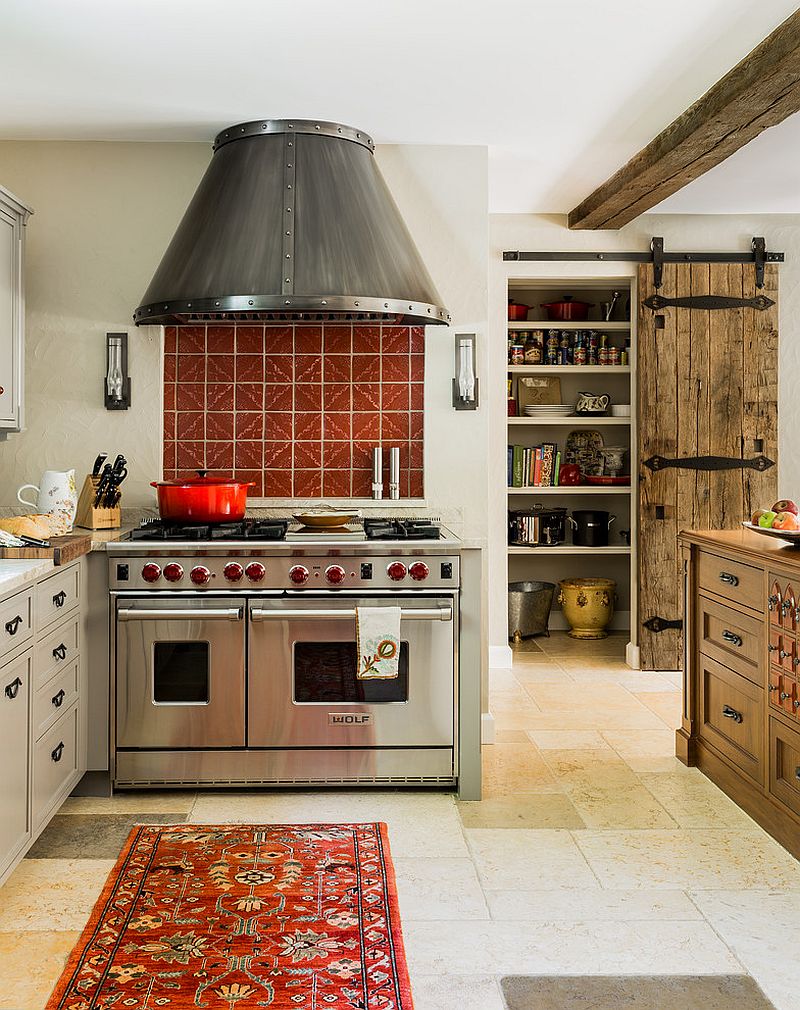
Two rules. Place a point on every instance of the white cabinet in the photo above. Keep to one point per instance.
(15, 697)
(13, 217)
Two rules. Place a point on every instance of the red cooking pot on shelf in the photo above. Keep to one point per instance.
(202, 499)
(570, 309)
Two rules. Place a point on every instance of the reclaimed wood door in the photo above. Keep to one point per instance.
(708, 386)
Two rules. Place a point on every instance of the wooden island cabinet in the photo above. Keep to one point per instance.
(741, 693)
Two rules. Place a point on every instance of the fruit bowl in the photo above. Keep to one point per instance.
(792, 536)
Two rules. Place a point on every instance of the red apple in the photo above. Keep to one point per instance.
(785, 505)
(786, 521)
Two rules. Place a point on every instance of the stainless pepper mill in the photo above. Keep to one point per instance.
(377, 473)
(394, 473)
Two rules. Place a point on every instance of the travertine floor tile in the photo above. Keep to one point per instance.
(618, 806)
(512, 768)
(541, 673)
(526, 810)
(590, 906)
(695, 802)
(439, 889)
(511, 736)
(567, 740)
(511, 857)
(43, 893)
(30, 965)
(651, 750)
(92, 836)
(666, 705)
(456, 992)
(137, 803)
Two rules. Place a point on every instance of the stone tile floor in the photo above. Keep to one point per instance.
(594, 851)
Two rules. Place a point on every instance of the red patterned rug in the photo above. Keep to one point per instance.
(239, 916)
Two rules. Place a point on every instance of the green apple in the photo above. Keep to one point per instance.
(766, 520)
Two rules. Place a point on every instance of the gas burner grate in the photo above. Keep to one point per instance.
(401, 529)
(247, 529)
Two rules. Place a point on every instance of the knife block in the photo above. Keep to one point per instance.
(90, 518)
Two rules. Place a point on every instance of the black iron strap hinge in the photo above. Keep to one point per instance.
(708, 302)
(759, 463)
(659, 624)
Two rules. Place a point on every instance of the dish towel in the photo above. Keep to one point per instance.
(378, 642)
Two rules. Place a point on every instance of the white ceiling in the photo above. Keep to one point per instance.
(562, 92)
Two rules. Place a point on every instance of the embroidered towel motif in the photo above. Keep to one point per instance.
(378, 642)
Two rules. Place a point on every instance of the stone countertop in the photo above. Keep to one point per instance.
(102, 537)
(19, 573)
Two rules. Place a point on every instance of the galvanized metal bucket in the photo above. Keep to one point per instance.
(529, 605)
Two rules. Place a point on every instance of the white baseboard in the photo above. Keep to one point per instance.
(487, 727)
(500, 657)
(632, 657)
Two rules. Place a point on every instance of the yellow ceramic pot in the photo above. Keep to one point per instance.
(588, 605)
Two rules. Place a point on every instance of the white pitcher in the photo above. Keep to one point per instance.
(56, 492)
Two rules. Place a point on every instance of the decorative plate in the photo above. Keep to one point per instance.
(791, 536)
(583, 447)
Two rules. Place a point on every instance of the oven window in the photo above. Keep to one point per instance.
(180, 673)
(326, 672)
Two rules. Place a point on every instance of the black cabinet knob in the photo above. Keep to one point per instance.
(12, 689)
(60, 651)
(12, 626)
(60, 599)
(58, 699)
(56, 754)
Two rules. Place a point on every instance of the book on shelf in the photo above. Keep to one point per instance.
(534, 466)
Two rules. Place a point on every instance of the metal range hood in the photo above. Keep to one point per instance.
(292, 220)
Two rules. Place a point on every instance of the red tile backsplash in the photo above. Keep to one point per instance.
(295, 409)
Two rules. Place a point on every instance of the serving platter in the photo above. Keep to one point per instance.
(791, 536)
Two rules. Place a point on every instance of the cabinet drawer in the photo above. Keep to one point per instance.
(54, 698)
(782, 650)
(731, 638)
(730, 709)
(15, 686)
(16, 622)
(56, 650)
(784, 764)
(732, 580)
(55, 760)
(56, 595)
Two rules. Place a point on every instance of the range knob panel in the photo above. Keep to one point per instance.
(335, 574)
(173, 572)
(255, 571)
(298, 574)
(396, 571)
(151, 572)
(419, 571)
(200, 575)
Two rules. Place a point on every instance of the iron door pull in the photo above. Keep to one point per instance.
(12, 626)
(60, 652)
(60, 599)
(658, 624)
(759, 463)
(731, 713)
(734, 639)
(58, 699)
(728, 579)
(12, 689)
(57, 752)
(708, 302)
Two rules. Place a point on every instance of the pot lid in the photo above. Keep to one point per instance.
(202, 480)
(292, 220)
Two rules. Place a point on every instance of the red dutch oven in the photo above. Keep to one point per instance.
(202, 499)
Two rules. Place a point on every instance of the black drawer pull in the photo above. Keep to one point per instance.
(729, 636)
(58, 699)
(60, 652)
(728, 579)
(783, 654)
(772, 601)
(731, 713)
(784, 696)
(56, 754)
(12, 689)
(772, 648)
(12, 626)
(785, 607)
(772, 687)
(60, 599)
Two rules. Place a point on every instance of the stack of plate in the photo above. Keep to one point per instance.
(543, 410)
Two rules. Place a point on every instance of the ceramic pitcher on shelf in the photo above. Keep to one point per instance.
(56, 493)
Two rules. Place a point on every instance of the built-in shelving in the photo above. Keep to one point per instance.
(570, 369)
(587, 324)
(572, 420)
(570, 549)
(565, 490)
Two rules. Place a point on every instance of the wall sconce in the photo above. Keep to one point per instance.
(465, 384)
(117, 382)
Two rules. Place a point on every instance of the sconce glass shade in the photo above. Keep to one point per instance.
(465, 384)
(114, 377)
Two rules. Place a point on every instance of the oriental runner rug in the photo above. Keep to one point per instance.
(239, 916)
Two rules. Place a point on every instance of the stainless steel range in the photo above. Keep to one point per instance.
(234, 655)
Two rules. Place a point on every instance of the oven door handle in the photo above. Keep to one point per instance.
(175, 614)
(434, 614)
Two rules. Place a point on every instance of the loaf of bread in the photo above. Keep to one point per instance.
(28, 526)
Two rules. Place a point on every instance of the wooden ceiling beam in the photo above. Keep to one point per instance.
(759, 92)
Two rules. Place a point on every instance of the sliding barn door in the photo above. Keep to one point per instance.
(707, 388)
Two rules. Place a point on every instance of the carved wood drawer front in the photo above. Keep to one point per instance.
(782, 604)
(732, 580)
(731, 638)
(782, 648)
(784, 764)
(731, 716)
(784, 693)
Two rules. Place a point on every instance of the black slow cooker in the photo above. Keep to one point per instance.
(537, 526)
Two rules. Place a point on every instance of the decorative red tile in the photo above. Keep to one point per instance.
(417, 339)
(395, 340)
(417, 484)
(366, 339)
(249, 426)
(394, 396)
(307, 397)
(170, 455)
(279, 368)
(278, 340)
(336, 483)
(170, 367)
(248, 455)
(169, 396)
(338, 340)
(220, 396)
(394, 427)
(170, 339)
(336, 396)
(307, 484)
(249, 396)
(417, 363)
(366, 426)
(191, 367)
(220, 368)
(417, 395)
(219, 456)
(417, 428)
(366, 368)
(366, 397)
(308, 426)
(190, 425)
(308, 340)
(219, 340)
(307, 368)
(249, 339)
(337, 368)
(362, 484)
(278, 427)
(190, 455)
(249, 368)
(395, 368)
(256, 477)
(190, 396)
(277, 483)
(219, 426)
(277, 455)
(362, 454)
(307, 455)
(169, 424)
(277, 397)
(191, 340)
(337, 455)
(336, 427)
(169, 474)
(416, 454)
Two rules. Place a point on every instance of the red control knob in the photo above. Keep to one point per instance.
(298, 575)
(233, 571)
(419, 571)
(335, 574)
(173, 572)
(151, 572)
(255, 571)
(396, 571)
(200, 575)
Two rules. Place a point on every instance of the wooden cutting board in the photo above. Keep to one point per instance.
(62, 549)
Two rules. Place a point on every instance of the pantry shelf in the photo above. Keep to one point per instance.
(587, 324)
(569, 369)
(566, 490)
(568, 549)
(591, 422)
